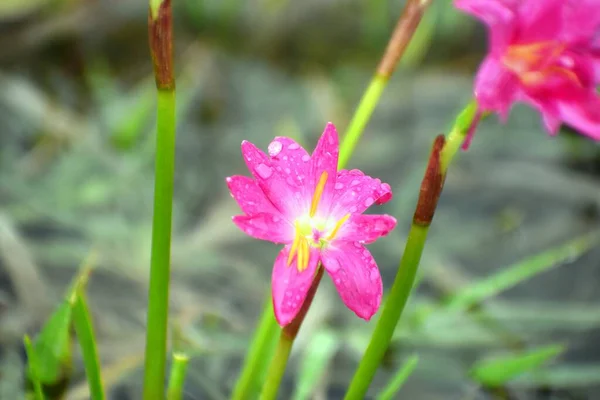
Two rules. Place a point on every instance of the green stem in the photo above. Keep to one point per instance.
(260, 351)
(392, 310)
(86, 338)
(177, 378)
(362, 115)
(158, 301)
(277, 368)
(458, 133)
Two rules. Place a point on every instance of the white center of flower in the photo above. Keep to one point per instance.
(313, 231)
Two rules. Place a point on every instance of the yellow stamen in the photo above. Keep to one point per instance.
(302, 255)
(338, 226)
(318, 193)
(294, 245)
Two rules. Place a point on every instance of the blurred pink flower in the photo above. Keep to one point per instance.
(303, 201)
(545, 53)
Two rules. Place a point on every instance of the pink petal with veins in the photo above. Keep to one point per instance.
(356, 277)
(293, 162)
(265, 226)
(355, 192)
(285, 196)
(325, 159)
(249, 196)
(366, 228)
(291, 286)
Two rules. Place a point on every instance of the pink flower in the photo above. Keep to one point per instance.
(545, 53)
(304, 202)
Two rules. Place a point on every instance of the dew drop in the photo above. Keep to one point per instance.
(305, 157)
(264, 171)
(353, 193)
(366, 253)
(369, 201)
(287, 170)
(274, 148)
(354, 182)
(298, 297)
(288, 293)
(285, 158)
(333, 265)
(357, 245)
(338, 281)
(293, 146)
(290, 181)
(339, 186)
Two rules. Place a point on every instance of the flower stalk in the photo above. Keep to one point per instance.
(160, 30)
(286, 341)
(403, 32)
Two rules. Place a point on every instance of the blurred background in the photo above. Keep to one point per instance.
(76, 174)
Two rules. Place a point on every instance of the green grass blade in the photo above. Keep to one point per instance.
(398, 380)
(318, 354)
(87, 341)
(177, 377)
(519, 272)
(32, 369)
(52, 346)
(497, 371)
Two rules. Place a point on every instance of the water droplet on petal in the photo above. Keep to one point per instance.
(369, 201)
(274, 148)
(357, 245)
(288, 293)
(287, 170)
(366, 253)
(339, 186)
(298, 297)
(338, 281)
(293, 146)
(264, 171)
(333, 265)
(305, 157)
(285, 158)
(354, 182)
(290, 181)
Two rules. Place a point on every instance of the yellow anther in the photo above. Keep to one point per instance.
(338, 226)
(302, 260)
(318, 194)
(293, 249)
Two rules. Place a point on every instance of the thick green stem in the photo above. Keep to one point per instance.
(277, 367)
(158, 301)
(160, 33)
(87, 341)
(260, 351)
(177, 378)
(392, 310)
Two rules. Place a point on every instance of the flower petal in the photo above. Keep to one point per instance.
(540, 20)
(356, 277)
(291, 286)
(355, 192)
(280, 191)
(581, 110)
(581, 19)
(249, 196)
(265, 226)
(366, 228)
(325, 159)
(293, 162)
(496, 88)
(499, 15)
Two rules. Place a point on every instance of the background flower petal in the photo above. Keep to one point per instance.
(290, 286)
(356, 277)
(265, 226)
(496, 88)
(499, 15)
(366, 228)
(249, 196)
(355, 192)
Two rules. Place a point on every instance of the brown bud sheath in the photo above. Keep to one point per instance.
(403, 32)
(160, 32)
(291, 329)
(431, 187)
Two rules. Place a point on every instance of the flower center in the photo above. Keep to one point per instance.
(313, 231)
(535, 62)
